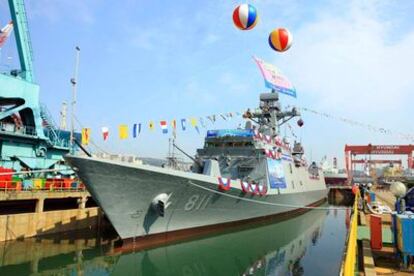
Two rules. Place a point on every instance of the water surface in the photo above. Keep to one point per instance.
(309, 244)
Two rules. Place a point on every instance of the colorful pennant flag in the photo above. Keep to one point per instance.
(151, 125)
(194, 124)
(164, 127)
(123, 132)
(86, 136)
(105, 133)
(212, 118)
(183, 124)
(174, 128)
(136, 130)
(5, 33)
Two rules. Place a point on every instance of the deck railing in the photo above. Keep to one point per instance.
(22, 130)
(348, 268)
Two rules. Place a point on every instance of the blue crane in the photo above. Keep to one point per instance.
(28, 135)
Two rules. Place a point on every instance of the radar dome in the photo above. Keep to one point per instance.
(398, 189)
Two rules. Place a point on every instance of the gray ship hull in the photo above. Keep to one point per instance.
(125, 193)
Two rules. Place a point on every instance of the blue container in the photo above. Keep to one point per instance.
(372, 196)
(74, 185)
(27, 184)
(405, 233)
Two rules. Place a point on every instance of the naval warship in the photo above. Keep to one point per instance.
(240, 176)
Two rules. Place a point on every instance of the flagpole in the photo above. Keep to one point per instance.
(74, 81)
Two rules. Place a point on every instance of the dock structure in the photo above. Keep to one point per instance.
(349, 262)
(361, 256)
(32, 213)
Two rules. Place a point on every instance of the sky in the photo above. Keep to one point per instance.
(160, 60)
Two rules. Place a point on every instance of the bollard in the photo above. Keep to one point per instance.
(376, 232)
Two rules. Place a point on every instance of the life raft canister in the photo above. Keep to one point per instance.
(224, 186)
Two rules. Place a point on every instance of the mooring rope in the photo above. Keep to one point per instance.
(266, 203)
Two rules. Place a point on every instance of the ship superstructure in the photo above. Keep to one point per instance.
(333, 175)
(239, 176)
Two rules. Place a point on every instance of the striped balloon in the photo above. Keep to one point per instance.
(280, 39)
(245, 17)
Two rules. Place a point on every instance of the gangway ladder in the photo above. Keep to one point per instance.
(49, 124)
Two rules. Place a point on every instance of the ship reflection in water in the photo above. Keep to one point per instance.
(309, 244)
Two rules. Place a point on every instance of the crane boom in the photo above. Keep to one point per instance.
(24, 47)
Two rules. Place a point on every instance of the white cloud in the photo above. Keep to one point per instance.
(352, 62)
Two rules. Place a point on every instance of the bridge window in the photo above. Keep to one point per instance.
(228, 144)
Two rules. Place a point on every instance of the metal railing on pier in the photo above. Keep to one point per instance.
(348, 266)
(51, 189)
(19, 130)
(34, 185)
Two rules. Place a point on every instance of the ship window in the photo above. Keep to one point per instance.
(290, 167)
(293, 184)
(301, 183)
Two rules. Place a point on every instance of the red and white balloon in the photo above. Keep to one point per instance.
(280, 39)
(245, 17)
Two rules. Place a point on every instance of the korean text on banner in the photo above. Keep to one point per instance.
(274, 79)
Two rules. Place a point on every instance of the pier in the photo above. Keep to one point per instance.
(32, 213)
(363, 255)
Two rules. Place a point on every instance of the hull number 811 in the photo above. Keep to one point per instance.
(197, 202)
